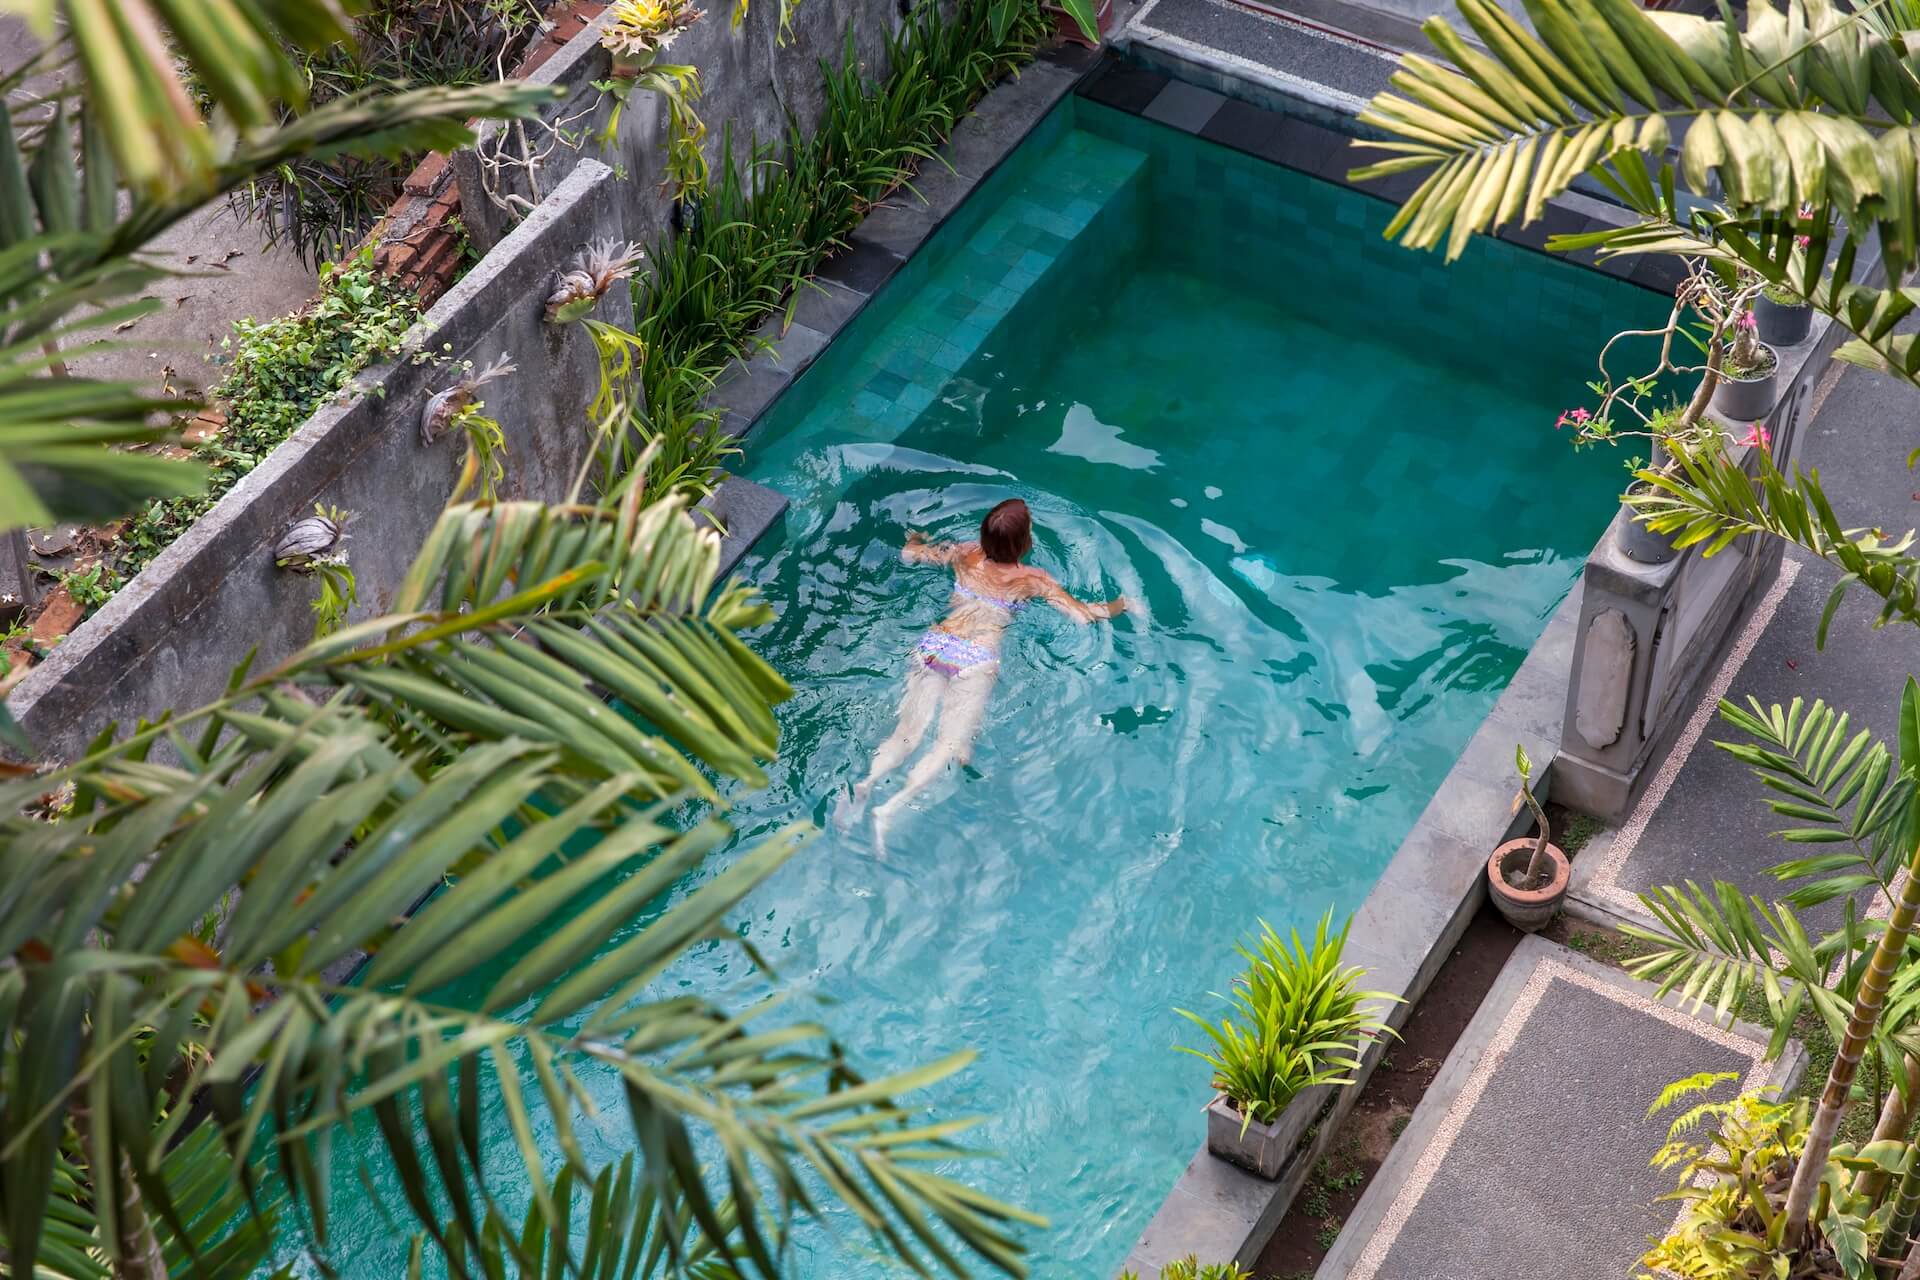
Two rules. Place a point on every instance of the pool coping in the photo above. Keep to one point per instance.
(1435, 882)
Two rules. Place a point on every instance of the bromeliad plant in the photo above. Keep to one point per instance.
(1299, 1020)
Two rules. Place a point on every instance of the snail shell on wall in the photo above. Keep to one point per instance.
(439, 412)
(576, 285)
(305, 540)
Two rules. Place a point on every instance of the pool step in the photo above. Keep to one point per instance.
(1080, 190)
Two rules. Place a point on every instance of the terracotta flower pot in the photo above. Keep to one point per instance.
(1067, 29)
(1527, 909)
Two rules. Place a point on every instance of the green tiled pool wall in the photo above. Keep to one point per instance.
(1227, 209)
(1032, 220)
(1077, 207)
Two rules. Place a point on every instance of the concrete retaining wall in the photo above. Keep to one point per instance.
(750, 77)
(170, 637)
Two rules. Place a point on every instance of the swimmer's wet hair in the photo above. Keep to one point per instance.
(1006, 535)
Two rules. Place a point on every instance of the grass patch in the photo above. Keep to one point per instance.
(1577, 831)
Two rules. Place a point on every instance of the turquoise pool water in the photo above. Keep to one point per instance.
(1326, 469)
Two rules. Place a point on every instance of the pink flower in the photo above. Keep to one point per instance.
(1572, 417)
(1759, 437)
(1747, 320)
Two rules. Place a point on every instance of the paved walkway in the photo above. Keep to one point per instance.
(1528, 1156)
(1704, 816)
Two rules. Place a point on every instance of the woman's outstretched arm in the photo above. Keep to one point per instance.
(919, 551)
(1082, 611)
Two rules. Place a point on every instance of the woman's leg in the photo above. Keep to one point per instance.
(960, 719)
(917, 705)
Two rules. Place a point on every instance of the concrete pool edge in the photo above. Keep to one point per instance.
(1430, 890)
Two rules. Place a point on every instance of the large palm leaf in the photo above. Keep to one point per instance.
(1803, 125)
(459, 747)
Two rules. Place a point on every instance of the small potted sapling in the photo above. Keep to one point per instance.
(1299, 1025)
(1527, 878)
(1679, 431)
(1749, 374)
(1783, 316)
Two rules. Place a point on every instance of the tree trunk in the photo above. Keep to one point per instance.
(136, 1244)
(1846, 1064)
(1905, 1207)
(1896, 1117)
(1911, 1271)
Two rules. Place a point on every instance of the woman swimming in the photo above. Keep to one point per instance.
(953, 667)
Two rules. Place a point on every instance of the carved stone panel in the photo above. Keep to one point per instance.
(1606, 678)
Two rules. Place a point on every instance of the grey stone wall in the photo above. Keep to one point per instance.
(170, 637)
(750, 77)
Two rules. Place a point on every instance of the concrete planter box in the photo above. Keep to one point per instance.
(1264, 1149)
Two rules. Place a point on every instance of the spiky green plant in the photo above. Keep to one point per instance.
(1300, 1019)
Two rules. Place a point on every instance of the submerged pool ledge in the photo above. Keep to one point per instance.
(890, 234)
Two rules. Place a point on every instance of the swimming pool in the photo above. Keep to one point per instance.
(1325, 469)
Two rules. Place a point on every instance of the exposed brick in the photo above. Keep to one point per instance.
(436, 251)
(426, 176)
(397, 256)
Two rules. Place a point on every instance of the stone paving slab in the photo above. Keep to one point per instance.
(1529, 1154)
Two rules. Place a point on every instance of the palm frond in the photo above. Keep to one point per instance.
(1803, 106)
(458, 750)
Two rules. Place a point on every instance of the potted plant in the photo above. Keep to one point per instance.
(1298, 1026)
(1747, 372)
(1189, 1268)
(1527, 877)
(1677, 432)
(1082, 21)
(1783, 316)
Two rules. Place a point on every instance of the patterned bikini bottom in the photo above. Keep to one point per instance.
(950, 654)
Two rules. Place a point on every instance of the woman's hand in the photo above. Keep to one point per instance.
(1117, 606)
